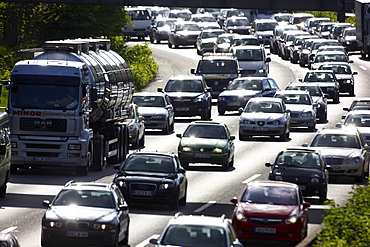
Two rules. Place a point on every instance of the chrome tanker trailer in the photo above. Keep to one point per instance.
(67, 106)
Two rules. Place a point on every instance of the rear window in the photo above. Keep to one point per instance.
(217, 67)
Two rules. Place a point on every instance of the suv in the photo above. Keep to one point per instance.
(218, 70)
(5, 153)
(189, 96)
(198, 230)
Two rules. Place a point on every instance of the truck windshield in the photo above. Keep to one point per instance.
(44, 97)
(218, 67)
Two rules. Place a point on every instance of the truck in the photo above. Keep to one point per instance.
(362, 10)
(67, 106)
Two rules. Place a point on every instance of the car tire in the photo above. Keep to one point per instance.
(352, 91)
(323, 117)
(125, 240)
(301, 63)
(136, 144)
(3, 190)
(206, 115)
(244, 137)
(221, 111)
(360, 178)
(336, 99)
(183, 200)
(142, 141)
(172, 127)
(231, 163)
(323, 195)
(312, 128)
(166, 130)
(157, 39)
(225, 166)
(174, 204)
(169, 44)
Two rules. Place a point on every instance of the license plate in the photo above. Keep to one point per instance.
(202, 155)
(261, 128)
(41, 159)
(142, 192)
(182, 109)
(233, 103)
(78, 234)
(265, 230)
(303, 187)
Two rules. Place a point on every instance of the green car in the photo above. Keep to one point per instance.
(206, 142)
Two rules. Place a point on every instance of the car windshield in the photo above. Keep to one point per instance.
(270, 195)
(255, 85)
(205, 131)
(336, 140)
(218, 67)
(188, 27)
(88, 198)
(265, 26)
(194, 235)
(206, 35)
(249, 54)
(358, 120)
(237, 22)
(316, 46)
(319, 77)
(265, 107)
(351, 33)
(330, 58)
(251, 41)
(148, 101)
(314, 91)
(224, 39)
(337, 69)
(298, 99)
(204, 19)
(184, 86)
(149, 163)
(299, 159)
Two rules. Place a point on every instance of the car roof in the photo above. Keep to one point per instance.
(304, 84)
(200, 220)
(207, 123)
(273, 183)
(331, 52)
(218, 56)
(291, 92)
(346, 130)
(320, 71)
(155, 153)
(249, 47)
(301, 149)
(252, 78)
(186, 77)
(265, 99)
(88, 186)
(335, 63)
(358, 112)
(265, 21)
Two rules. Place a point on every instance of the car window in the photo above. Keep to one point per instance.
(336, 140)
(301, 99)
(205, 131)
(249, 55)
(149, 164)
(359, 120)
(266, 107)
(184, 86)
(265, 85)
(319, 77)
(273, 83)
(270, 195)
(88, 198)
(254, 85)
(148, 101)
(300, 159)
(217, 67)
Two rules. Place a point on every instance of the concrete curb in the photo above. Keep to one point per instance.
(307, 241)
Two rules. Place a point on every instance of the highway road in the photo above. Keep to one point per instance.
(210, 189)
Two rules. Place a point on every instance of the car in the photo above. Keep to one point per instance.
(345, 151)
(244, 40)
(282, 17)
(237, 24)
(274, 39)
(239, 91)
(86, 213)
(305, 51)
(9, 240)
(303, 166)
(318, 97)
(316, 44)
(218, 70)
(339, 48)
(359, 103)
(156, 109)
(160, 29)
(326, 80)
(226, 13)
(286, 40)
(348, 39)
(328, 57)
(183, 33)
(198, 230)
(344, 75)
(152, 178)
(301, 106)
(206, 142)
(271, 210)
(206, 39)
(180, 14)
(253, 60)
(189, 95)
(337, 29)
(264, 117)
(223, 43)
(136, 127)
(296, 46)
(204, 20)
(299, 19)
(5, 154)
(311, 23)
(359, 119)
(139, 25)
(263, 30)
(323, 29)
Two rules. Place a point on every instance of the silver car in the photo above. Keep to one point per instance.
(264, 117)
(359, 119)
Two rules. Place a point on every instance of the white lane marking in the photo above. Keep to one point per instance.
(210, 203)
(146, 241)
(292, 69)
(320, 206)
(363, 67)
(251, 178)
(10, 229)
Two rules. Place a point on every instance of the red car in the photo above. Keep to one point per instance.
(271, 210)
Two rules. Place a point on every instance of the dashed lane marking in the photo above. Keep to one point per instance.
(251, 178)
(363, 67)
(210, 203)
(10, 229)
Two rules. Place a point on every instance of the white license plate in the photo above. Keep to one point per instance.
(142, 192)
(78, 234)
(182, 109)
(233, 103)
(202, 155)
(261, 128)
(265, 230)
(41, 159)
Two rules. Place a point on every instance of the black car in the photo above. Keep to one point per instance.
(86, 213)
(160, 29)
(303, 166)
(183, 33)
(189, 96)
(152, 177)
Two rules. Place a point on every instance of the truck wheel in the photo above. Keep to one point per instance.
(98, 153)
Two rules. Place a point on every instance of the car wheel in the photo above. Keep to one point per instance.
(116, 239)
(142, 141)
(336, 98)
(125, 240)
(284, 136)
(225, 166)
(198, 52)
(157, 39)
(151, 39)
(312, 128)
(301, 63)
(169, 44)
(3, 190)
(323, 195)
(231, 163)
(136, 144)
(243, 137)
(360, 178)
(205, 115)
(174, 204)
(323, 117)
(221, 111)
(172, 127)
(352, 91)
(166, 130)
(183, 200)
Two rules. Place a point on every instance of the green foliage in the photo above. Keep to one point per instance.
(139, 57)
(348, 225)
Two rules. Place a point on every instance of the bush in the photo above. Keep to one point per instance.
(348, 225)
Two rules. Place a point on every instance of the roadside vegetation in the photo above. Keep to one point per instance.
(25, 26)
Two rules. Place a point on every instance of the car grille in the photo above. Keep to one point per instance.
(265, 221)
(203, 149)
(249, 71)
(142, 190)
(218, 84)
(183, 101)
(334, 160)
(77, 225)
(294, 114)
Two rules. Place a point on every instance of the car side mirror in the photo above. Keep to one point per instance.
(300, 80)
(159, 89)
(306, 205)
(268, 59)
(350, 61)
(338, 125)
(240, 110)
(153, 241)
(192, 71)
(180, 170)
(234, 201)
(2, 149)
(305, 145)
(268, 164)
(179, 135)
(123, 207)
(116, 167)
(232, 137)
(209, 89)
(46, 203)
(355, 73)
(345, 109)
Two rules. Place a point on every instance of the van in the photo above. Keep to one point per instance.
(140, 23)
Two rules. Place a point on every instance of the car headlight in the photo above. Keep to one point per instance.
(306, 114)
(98, 226)
(239, 215)
(275, 122)
(166, 186)
(353, 161)
(200, 98)
(159, 116)
(186, 149)
(347, 81)
(131, 127)
(261, 71)
(315, 180)
(260, 37)
(291, 219)
(52, 224)
(245, 121)
(218, 150)
(348, 42)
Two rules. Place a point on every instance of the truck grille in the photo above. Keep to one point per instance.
(38, 124)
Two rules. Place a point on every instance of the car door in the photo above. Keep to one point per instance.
(169, 107)
(266, 89)
(181, 178)
(123, 215)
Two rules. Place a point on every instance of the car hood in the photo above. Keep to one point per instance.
(203, 142)
(238, 27)
(343, 76)
(252, 65)
(81, 213)
(340, 151)
(183, 94)
(317, 99)
(152, 110)
(256, 116)
(188, 32)
(298, 108)
(267, 210)
(251, 93)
